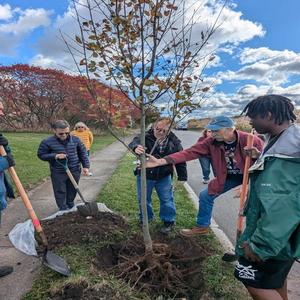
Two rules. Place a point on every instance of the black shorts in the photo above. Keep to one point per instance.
(270, 274)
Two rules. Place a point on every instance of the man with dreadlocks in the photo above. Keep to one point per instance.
(271, 240)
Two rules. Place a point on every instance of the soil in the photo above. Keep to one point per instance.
(74, 229)
(174, 269)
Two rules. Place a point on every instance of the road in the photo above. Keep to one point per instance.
(226, 207)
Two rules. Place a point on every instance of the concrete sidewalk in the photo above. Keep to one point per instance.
(26, 268)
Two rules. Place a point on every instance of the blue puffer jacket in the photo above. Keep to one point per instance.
(3, 166)
(72, 146)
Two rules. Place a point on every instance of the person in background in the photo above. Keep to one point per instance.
(160, 141)
(59, 149)
(5, 162)
(86, 136)
(205, 161)
(226, 149)
(270, 242)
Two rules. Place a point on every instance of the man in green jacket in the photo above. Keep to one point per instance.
(270, 242)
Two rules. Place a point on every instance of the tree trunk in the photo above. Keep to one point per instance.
(146, 233)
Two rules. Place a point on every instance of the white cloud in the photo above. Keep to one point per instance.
(5, 12)
(265, 66)
(16, 24)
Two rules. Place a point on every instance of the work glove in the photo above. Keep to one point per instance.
(3, 140)
(10, 160)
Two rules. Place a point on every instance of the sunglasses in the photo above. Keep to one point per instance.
(63, 133)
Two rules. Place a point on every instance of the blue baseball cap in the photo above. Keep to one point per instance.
(220, 122)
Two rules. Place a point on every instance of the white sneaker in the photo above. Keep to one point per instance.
(90, 174)
(205, 181)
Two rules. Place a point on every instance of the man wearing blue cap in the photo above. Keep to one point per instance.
(226, 149)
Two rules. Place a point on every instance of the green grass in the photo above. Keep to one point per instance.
(29, 167)
(119, 194)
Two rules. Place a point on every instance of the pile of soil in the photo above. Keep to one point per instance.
(174, 269)
(74, 229)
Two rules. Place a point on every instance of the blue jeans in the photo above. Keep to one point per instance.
(206, 202)
(205, 166)
(164, 190)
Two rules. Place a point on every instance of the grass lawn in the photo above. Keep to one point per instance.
(119, 195)
(29, 168)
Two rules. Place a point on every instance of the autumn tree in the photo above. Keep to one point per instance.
(34, 97)
(152, 52)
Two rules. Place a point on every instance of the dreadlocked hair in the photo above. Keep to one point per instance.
(280, 107)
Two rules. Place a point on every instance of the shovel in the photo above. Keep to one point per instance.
(230, 257)
(88, 208)
(49, 259)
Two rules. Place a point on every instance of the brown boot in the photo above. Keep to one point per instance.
(194, 231)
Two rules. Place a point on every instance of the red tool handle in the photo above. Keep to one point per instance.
(240, 221)
(35, 221)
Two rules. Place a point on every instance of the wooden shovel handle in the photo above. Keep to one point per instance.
(243, 194)
(35, 221)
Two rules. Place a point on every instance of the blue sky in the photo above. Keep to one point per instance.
(258, 47)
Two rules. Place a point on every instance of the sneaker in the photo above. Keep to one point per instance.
(167, 227)
(194, 231)
(205, 181)
(229, 257)
(5, 270)
(90, 174)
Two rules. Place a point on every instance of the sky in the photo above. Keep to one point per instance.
(257, 47)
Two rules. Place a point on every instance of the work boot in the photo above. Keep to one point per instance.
(167, 227)
(229, 257)
(194, 231)
(5, 270)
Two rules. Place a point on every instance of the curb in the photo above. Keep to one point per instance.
(219, 233)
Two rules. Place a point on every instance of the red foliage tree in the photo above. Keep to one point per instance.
(34, 97)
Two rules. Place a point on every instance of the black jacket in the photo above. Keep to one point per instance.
(173, 145)
(72, 146)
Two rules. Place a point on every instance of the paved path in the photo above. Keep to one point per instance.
(26, 268)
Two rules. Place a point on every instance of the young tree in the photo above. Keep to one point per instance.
(153, 51)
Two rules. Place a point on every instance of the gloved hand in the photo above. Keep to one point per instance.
(3, 140)
(10, 160)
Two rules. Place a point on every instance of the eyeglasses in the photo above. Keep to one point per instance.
(63, 133)
(160, 129)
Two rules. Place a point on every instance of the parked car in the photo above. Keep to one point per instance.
(181, 126)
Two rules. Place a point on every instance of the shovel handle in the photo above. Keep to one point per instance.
(71, 177)
(35, 221)
(243, 194)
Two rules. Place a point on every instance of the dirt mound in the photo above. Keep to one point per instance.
(174, 269)
(72, 228)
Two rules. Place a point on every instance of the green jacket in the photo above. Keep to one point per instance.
(272, 209)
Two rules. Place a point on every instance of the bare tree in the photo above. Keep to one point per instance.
(153, 51)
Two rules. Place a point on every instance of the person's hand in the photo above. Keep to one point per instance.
(60, 156)
(139, 150)
(153, 162)
(85, 171)
(3, 140)
(252, 152)
(10, 160)
(237, 192)
(249, 253)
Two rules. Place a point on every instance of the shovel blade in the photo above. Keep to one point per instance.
(56, 263)
(88, 209)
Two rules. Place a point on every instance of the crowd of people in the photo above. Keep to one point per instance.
(270, 242)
